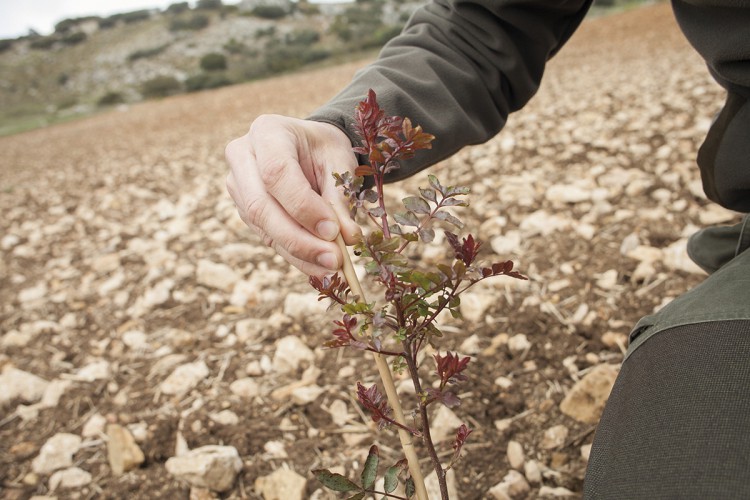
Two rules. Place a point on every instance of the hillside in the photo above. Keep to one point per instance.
(92, 63)
(116, 307)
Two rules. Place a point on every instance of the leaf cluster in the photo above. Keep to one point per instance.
(368, 476)
(405, 320)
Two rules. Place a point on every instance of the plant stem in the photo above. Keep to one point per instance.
(407, 441)
(411, 363)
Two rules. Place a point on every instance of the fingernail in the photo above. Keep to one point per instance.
(329, 261)
(328, 230)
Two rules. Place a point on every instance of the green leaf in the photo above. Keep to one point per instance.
(372, 267)
(407, 219)
(428, 194)
(454, 202)
(456, 190)
(358, 496)
(410, 488)
(370, 470)
(435, 183)
(333, 481)
(451, 219)
(390, 480)
(427, 235)
(416, 205)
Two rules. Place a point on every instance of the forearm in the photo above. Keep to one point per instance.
(459, 68)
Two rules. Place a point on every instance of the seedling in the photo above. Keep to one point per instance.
(404, 322)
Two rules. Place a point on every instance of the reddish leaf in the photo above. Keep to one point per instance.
(449, 368)
(374, 401)
(461, 434)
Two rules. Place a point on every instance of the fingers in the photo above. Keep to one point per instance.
(281, 181)
(277, 159)
(262, 213)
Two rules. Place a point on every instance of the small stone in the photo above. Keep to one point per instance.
(471, 345)
(474, 305)
(290, 353)
(56, 453)
(94, 426)
(557, 492)
(98, 370)
(519, 343)
(18, 384)
(275, 449)
(444, 424)
(300, 306)
(123, 453)
(676, 257)
(614, 339)
(306, 395)
(515, 455)
(282, 484)
(554, 437)
(586, 452)
(184, 378)
(225, 417)
(533, 472)
(213, 467)
(585, 400)
(249, 330)
(570, 193)
(607, 280)
(503, 382)
(644, 253)
(543, 223)
(214, 275)
(53, 392)
(135, 339)
(513, 485)
(339, 412)
(246, 388)
(72, 477)
(507, 244)
(32, 294)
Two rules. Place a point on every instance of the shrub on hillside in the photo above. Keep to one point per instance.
(194, 23)
(213, 62)
(74, 38)
(178, 8)
(161, 86)
(209, 5)
(302, 37)
(42, 42)
(206, 81)
(107, 23)
(5, 45)
(265, 32)
(135, 16)
(269, 12)
(282, 58)
(146, 53)
(110, 99)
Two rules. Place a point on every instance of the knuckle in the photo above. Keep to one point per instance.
(273, 171)
(254, 211)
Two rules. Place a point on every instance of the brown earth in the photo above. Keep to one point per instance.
(143, 187)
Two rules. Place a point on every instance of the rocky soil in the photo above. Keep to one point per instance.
(151, 347)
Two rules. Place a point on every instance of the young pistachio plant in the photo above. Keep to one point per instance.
(403, 323)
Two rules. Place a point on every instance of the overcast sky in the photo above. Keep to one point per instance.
(17, 17)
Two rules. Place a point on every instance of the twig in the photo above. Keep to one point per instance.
(407, 442)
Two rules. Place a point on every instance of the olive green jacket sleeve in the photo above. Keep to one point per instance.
(459, 68)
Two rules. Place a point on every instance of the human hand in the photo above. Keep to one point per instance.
(281, 181)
